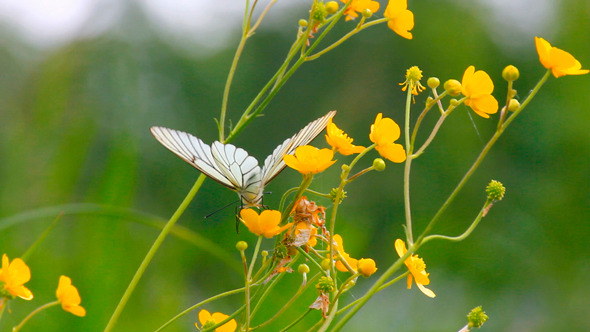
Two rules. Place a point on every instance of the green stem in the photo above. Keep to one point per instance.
(214, 327)
(393, 281)
(293, 323)
(211, 299)
(345, 37)
(297, 294)
(407, 207)
(40, 239)
(467, 231)
(151, 253)
(33, 313)
(248, 280)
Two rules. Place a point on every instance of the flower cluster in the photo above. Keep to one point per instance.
(399, 18)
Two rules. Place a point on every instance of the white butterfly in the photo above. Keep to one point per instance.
(232, 166)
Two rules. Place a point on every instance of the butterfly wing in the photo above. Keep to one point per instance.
(274, 163)
(238, 167)
(194, 151)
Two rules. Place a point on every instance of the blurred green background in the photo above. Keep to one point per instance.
(75, 117)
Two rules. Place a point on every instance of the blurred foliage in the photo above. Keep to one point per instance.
(75, 130)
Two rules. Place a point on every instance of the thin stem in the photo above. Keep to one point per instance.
(248, 276)
(151, 253)
(432, 134)
(393, 281)
(42, 237)
(467, 231)
(345, 37)
(262, 15)
(212, 328)
(407, 207)
(33, 313)
(288, 304)
(293, 323)
(211, 299)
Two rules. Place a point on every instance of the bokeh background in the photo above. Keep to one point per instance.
(82, 81)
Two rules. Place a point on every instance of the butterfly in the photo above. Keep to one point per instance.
(232, 166)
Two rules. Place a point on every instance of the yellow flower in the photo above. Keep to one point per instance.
(477, 86)
(413, 77)
(559, 61)
(208, 319)
(401, 20)
(69, 297)
(383, 133)
(341, 254)
(14, 275)
(366, 267)
(340, 141)
(417, 269)
(358, 6)
(267, 223)
(310, 160)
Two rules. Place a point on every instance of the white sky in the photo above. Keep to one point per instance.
(49, 23)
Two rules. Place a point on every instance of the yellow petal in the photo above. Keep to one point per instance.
(543, 49)
(425, 290)
(400, 247)
(394, 152)
(204, 316)
(483, 105)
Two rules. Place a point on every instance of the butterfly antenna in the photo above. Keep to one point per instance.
(221, 208)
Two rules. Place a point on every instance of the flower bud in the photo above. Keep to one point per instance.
(512, 93)
(367, 13)
(476, 317)
(379, 164)
(366, 267)
(302, 23)
(325, 285)
(241, 245)
(345, 168)
(264, 253)
(510, 73)
(453, 87)
(303, 268)
(331, 7)
(325, 264)
(495, 190)
(513, 105)
(433, 82)
(319, 13)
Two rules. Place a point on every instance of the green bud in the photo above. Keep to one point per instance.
(303, 268)
(241, 245)
(264, 253)
(367, 13)
(325, 264)
(495, 190)
(433, 82)
(325, 285)
(302, 23)
(513, 105)
(319, 13)
(510, 73)
(331, 7)
(476, 317)
(453, 87)
(334, 194)
(379, 164)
